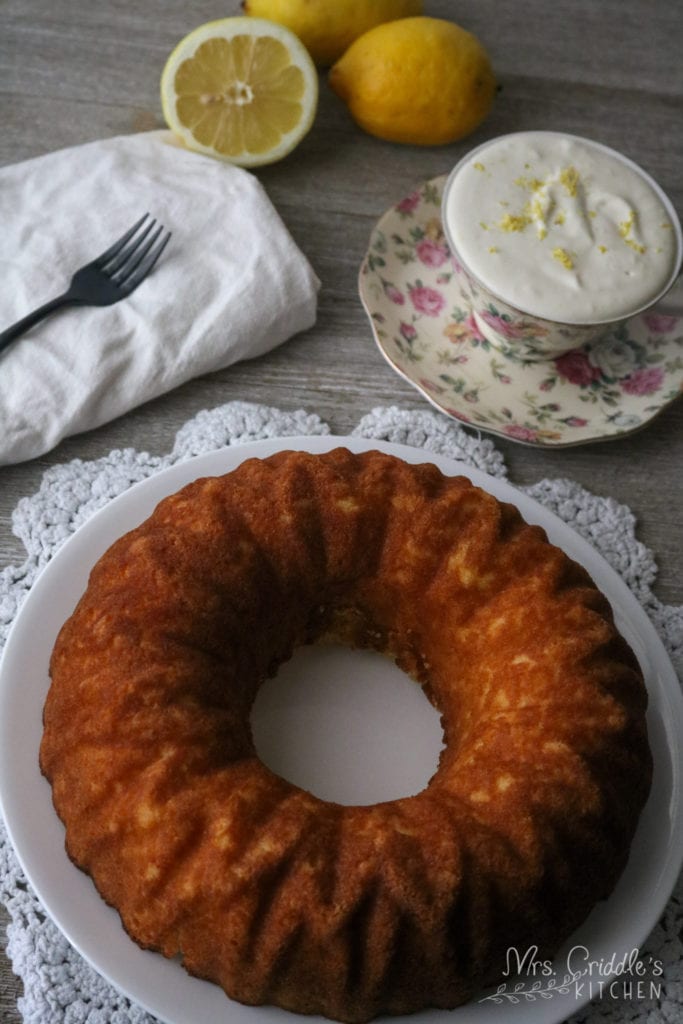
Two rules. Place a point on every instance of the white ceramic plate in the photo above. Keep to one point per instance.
(616, 926)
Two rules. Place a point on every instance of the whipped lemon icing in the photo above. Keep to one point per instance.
(561, 228)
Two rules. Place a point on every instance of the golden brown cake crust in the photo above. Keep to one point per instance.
(261, 887)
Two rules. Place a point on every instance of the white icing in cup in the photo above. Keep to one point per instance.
(561, 233)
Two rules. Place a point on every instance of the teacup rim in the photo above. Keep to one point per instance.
(608, 321)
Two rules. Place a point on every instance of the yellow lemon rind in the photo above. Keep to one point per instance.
(419, 81)
(327, 30)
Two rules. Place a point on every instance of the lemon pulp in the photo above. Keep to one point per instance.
(242, 89)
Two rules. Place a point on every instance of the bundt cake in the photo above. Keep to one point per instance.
(275, 895)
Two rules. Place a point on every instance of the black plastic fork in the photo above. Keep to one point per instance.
(109, 278)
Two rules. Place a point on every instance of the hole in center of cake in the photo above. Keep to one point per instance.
(348, 726)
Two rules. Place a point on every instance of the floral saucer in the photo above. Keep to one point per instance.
(410, 290)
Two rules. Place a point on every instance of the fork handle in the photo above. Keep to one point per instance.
(8, 335)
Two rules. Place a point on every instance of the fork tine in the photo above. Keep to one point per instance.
(145, 265)
(117, 246)
(117, 264)
(125, 269)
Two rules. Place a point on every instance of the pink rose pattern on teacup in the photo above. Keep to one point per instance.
(421, 312)
(508, 328)
(660, 323)
(517, 334)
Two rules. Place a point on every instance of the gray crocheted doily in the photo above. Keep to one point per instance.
(59, 987)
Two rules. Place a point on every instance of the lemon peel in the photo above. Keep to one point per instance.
(424, 81)
(328, 29)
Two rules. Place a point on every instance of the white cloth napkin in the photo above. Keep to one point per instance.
(231, 284)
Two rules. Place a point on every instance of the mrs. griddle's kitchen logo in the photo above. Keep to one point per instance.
(620, 976)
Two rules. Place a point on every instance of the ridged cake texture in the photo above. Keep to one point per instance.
(280, 897)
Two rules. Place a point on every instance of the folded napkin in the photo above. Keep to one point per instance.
(230, 285)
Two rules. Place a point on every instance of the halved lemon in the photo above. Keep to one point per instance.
(242, 89)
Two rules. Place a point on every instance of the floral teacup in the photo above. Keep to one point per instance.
(516, 332)
(529, 336)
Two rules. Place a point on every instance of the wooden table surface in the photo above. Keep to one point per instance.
(73, 71)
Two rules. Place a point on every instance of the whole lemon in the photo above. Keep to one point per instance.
(418, 80)
(327, 29)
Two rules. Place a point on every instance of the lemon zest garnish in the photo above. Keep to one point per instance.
(569, 177)
(563, 257)
(493, 248)
(479, 166)
(533, 184)
(666, 226)
(514, 222)
(483, 226)
(542, 232)
(561, 218)
(625, 230)
(626, 225)
(592, 213)
(602, 248)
